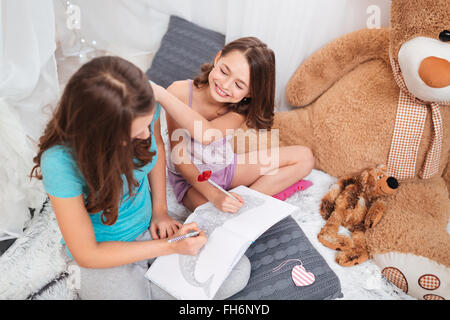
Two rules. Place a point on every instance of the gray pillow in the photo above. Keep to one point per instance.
(184, 48)
(284, 241)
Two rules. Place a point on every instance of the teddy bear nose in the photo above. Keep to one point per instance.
(392, 182)
(444, 36)
(435, 72)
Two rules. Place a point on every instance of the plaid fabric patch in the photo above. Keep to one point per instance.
(429, 282)
(396, 277)
(408, 130)
(432, 297)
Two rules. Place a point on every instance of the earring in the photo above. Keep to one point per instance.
(245, 101)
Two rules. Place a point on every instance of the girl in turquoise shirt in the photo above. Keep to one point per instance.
(99, 155)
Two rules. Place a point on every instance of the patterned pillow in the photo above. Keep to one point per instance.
(284, 241)
(184, 48)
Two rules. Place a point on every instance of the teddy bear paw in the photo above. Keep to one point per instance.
(373, 219)
(351, 258)
(335, 242)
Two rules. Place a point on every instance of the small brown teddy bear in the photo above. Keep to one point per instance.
(356, 202)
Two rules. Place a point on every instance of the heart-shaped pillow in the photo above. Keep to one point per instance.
(301, 277)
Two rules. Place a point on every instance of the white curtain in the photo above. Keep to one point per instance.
(211, 14)
(17, 192)
(125, 28)
(28, 76)
(28, 84)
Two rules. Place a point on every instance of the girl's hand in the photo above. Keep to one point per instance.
(192, 245)
(158, 91)
(225, 203)
(163, 226)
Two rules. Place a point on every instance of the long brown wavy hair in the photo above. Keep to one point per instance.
(93, 118)
(259, 109)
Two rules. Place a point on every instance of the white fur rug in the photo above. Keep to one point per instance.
(32, 268)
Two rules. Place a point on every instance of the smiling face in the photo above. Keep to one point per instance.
(229, 80)
(242, 68)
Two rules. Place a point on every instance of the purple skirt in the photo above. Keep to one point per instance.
(223, 178)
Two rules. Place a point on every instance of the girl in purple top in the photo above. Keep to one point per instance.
(237, 88)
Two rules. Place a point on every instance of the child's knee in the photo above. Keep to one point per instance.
(192, 199)
(305, 158)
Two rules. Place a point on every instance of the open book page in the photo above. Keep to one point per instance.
(229, 235)
(198, 277)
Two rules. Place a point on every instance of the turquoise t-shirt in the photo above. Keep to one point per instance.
(62, 178)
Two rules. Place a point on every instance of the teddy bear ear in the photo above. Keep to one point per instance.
(381, 166)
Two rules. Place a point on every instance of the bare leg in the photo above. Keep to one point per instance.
(295, 162)
(192, 199)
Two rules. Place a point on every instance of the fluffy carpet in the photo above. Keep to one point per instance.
(33, 268)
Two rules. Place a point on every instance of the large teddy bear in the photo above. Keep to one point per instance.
(383, 96)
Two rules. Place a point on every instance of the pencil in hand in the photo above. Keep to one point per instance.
(184, 236)
(205, 176)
